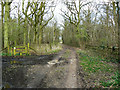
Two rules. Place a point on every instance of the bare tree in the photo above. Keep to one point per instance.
(73, 16)
(35, 17)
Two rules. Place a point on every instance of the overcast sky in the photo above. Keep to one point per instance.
(59, 5)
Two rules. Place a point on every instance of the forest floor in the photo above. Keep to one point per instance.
(60, 70)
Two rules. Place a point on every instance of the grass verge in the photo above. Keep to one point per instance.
(105, 74)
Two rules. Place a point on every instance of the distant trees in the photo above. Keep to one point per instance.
(51, 35)
(69, 34)
(93, 26)
(108, 33)
(73, 15)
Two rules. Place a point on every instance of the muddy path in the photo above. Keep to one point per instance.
(72, 76)
(46, 71)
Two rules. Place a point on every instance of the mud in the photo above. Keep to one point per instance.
(48, 71)
(35, 71)
(15, 74)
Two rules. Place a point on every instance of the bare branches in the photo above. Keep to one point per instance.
(73, 14)
(36, 16)
(48, 20)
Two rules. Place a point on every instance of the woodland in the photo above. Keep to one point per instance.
(32, 37)
(84, 24)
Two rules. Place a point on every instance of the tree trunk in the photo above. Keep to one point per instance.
(25, 23)
(24, 38)
(35, 36)
(2, 31)
(6, 25)
(40, 36)
(29, 34)
(19, 25)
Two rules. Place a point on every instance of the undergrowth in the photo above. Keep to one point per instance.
(114, 82)
(96, 64)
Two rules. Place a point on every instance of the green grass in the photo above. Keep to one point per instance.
(25, 54)
(96, 64)
(114, 82)
(3, 54)
(52, 51)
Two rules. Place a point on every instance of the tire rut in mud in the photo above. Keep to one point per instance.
(56, 77)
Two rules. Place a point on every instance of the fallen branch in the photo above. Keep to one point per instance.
(3, 49)
(33, 49)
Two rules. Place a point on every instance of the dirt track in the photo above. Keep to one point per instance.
(52, 71)
(72, 77)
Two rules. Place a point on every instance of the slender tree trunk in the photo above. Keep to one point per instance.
(19, 25)
(2, 31)
(35, 35)
(40, 39)
(42, 36)
(24, 38)
(35, 30)
(25, 23)
(29, 34)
